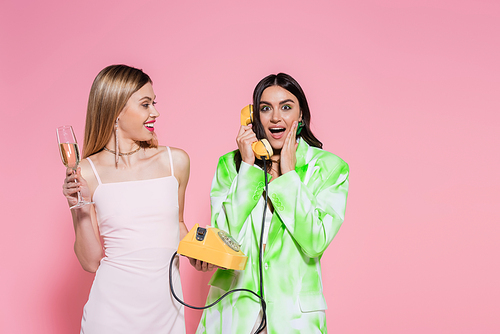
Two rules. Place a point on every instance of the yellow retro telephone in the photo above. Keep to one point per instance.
(261, 148)
(213, 246)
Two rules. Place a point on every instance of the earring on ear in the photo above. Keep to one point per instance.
(299, 127)
(117, 149)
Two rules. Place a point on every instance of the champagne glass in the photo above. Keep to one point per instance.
(70, 155)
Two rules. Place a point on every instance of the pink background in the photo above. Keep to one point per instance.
(407, 92)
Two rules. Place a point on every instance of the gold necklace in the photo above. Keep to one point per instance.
(128, 153)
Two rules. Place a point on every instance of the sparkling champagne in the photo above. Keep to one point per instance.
(70, 155)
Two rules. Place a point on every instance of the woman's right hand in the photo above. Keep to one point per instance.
(71, 188)
(245, 138)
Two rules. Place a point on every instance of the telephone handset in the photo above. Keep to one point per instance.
(261, 148)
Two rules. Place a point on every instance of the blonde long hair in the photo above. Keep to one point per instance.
(109, 94)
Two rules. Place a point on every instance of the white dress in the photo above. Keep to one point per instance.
(139, 224)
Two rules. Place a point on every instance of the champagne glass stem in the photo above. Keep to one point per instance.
(78, 193)
(81, 202)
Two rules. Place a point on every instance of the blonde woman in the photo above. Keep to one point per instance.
(138, 188)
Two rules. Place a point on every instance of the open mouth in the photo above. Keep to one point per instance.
(276, 130)
(150, 125)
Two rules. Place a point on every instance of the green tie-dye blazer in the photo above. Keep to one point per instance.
(309, 205)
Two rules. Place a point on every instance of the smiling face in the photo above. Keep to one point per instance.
(136, 120)
(278, 109)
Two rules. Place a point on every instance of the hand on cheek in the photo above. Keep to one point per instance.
(288, 158)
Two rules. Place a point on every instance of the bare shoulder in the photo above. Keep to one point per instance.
(88, 172)
(180, 156)
(85, 168)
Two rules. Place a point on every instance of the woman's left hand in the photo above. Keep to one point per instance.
(287, 157)
(200, 265)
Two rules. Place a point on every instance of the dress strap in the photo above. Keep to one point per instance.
(171, 161)
(95, 171)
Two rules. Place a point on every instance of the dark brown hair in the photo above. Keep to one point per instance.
(290, 84)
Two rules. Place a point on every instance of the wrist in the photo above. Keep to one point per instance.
(250, 161)
(286, 169)
(81, 211)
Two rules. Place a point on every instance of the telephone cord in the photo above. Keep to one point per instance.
(207, 306)
(263, 322)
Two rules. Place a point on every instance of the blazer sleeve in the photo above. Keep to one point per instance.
(312, 213)
(234, 195)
